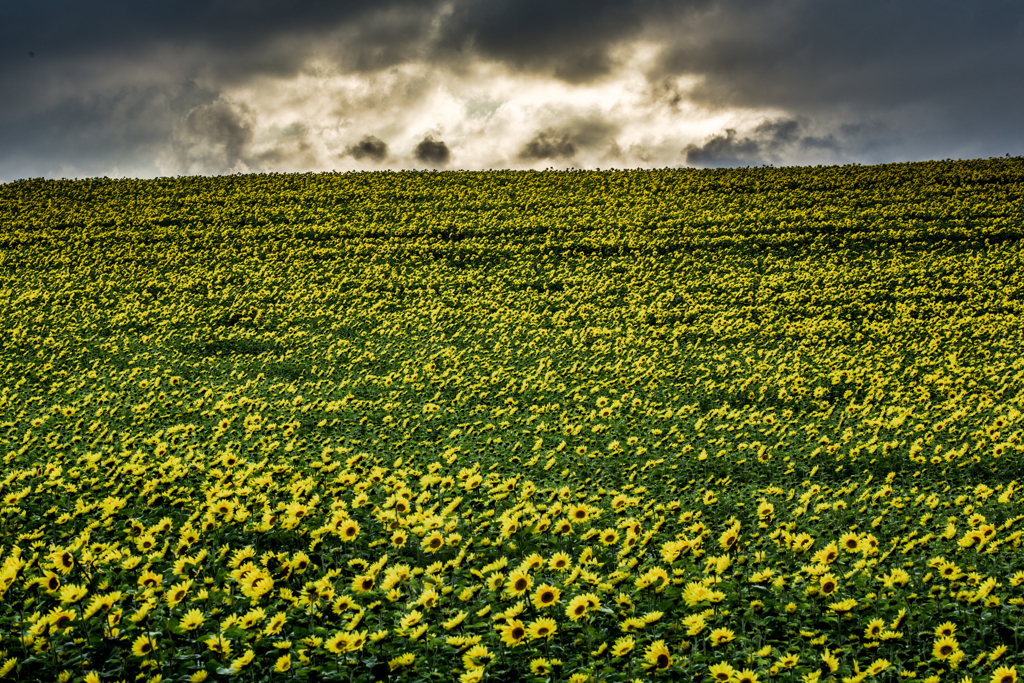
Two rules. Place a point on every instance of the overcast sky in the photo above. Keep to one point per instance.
(143, 89)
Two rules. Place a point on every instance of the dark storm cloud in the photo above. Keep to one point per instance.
(724, 150)
(949, 74)
(112, 82)
(765, 144)
(569, 40)
(547, 144)
(370, 147)
(212, 138)
(432, 152)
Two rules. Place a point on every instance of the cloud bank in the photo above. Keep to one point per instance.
(208, 87)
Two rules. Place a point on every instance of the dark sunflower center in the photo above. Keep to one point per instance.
(663, 661)
(520, 585)
(518, 633)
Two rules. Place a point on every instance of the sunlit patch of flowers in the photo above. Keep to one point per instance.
(512, 426)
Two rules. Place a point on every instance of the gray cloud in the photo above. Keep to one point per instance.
(432, 152)
(370, 147)
(211, 139)
(134, 86)
(547, 144)
(768, 142)
(724, 150)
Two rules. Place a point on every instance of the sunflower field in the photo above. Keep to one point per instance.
(729, 425)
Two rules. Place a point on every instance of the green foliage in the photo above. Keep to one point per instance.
(769, 418)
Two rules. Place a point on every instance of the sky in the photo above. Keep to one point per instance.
(143, 89)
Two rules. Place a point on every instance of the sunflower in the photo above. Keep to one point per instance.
(826, 555)
(275, 624)
(476, 657)
(454, 621)
(562, 526)
(609, 537)
(658, 656)
(349, 530)
(540, 667)
(623, 646)
(828, 584)
(99, 603)
(577, 607)
(192, 620)
(518, 583)
(60, 618)
(722, 635)
(495, 581)
(363, 583)
(559, 562)
(1004, 674)
(176, 593)
(696, 593)
(788, 661)
(72, 593)
(721, 672)
(579, 513)
(251, 618)
(946, 629)
(541, 628)
(694, 624)
(532, 562)
(284, 663)
(398, 662)
(411, 619)
(878, 666)
(545, 596)
(299, 562)
(513, 632)
(150, 579)
(356, 640)
(874, 629)
(636, 624)
(338, 643)
(243, 661)
(62, 560)
(432, 542)
(850, 542)
(50, 582)
(145, 543)
(945, 647)
(729, 538)
(143, 646)
(256, 584)
(746, 676)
